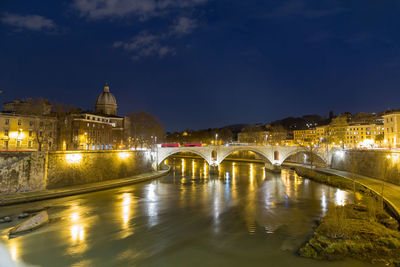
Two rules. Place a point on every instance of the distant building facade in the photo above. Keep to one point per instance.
(102, 130)
(391, 124)
(27, 132)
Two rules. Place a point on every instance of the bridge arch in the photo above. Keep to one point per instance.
(223, 154)
(316, 153)
(203, 155)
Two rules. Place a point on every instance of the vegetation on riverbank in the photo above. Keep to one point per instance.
(365, 232)
(362, 232)
(333, 180)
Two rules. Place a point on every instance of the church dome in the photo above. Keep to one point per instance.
(106, 103)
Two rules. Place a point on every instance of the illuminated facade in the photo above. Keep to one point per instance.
(392, 129)
(358, 136)
(85, 131)
(27, 132)
(102, 130)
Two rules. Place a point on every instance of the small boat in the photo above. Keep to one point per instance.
(31, 224)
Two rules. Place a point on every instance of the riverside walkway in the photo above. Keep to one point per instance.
(78, 189)
(391, 192)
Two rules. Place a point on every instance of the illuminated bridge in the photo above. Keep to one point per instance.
(274, 155)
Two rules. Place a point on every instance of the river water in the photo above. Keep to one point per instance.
(243, 216)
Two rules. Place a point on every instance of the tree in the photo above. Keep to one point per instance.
(146, 129)
(379, 138)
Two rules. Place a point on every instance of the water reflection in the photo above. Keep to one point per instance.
(252, 210)
(340, 197)
(77, 231)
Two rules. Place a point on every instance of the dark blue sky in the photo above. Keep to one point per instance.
(205, 63)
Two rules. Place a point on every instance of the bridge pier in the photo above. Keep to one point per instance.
(214, 169)
(273, 167)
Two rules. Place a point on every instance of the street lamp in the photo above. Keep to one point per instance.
(216, 138)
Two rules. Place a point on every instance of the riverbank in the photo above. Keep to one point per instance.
(79, 189)
(355, 231)
(391, 193)
(361, 231)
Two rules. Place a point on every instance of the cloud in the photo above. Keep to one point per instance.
(29, 22)
(98, 9)
(145, 45)
(301, 8)
(184, 25)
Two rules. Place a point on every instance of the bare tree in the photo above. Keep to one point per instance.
(145, 129)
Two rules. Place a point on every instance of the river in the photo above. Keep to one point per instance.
(243, 216)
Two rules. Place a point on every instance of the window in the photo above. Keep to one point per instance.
(6, 144)
(30, 133)
(5, 132)
(19, 122)
(29, 143)
(18, 143)
(7, 122)
(391, 119)
(40, 134)
(31, 123)
(392, 129)
(41, 124)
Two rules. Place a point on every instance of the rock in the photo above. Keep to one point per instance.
(5, 219)
(32, 223)
(23, 215)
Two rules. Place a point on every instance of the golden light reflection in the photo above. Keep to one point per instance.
(205, 170)
(339, 197)
(323, 202)
(77, 231)
(233, 171)
(251, 173)
(183, 167)
(126, 208)
(193, 165)
(14, 249)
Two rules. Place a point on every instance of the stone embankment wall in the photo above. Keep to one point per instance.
(32, 171)
(21, 171)
(71, 168)
(376, 164)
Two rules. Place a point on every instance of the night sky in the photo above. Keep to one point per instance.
(205, 63)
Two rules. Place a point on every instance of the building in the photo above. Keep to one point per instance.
(30, 106)
(391, 123)
(85, 131)
(364, 135)
(101, 130)
(27, 132)
(304, 137)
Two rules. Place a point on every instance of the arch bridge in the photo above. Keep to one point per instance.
(214, 155)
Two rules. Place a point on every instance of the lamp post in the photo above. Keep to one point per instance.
(216, 138)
